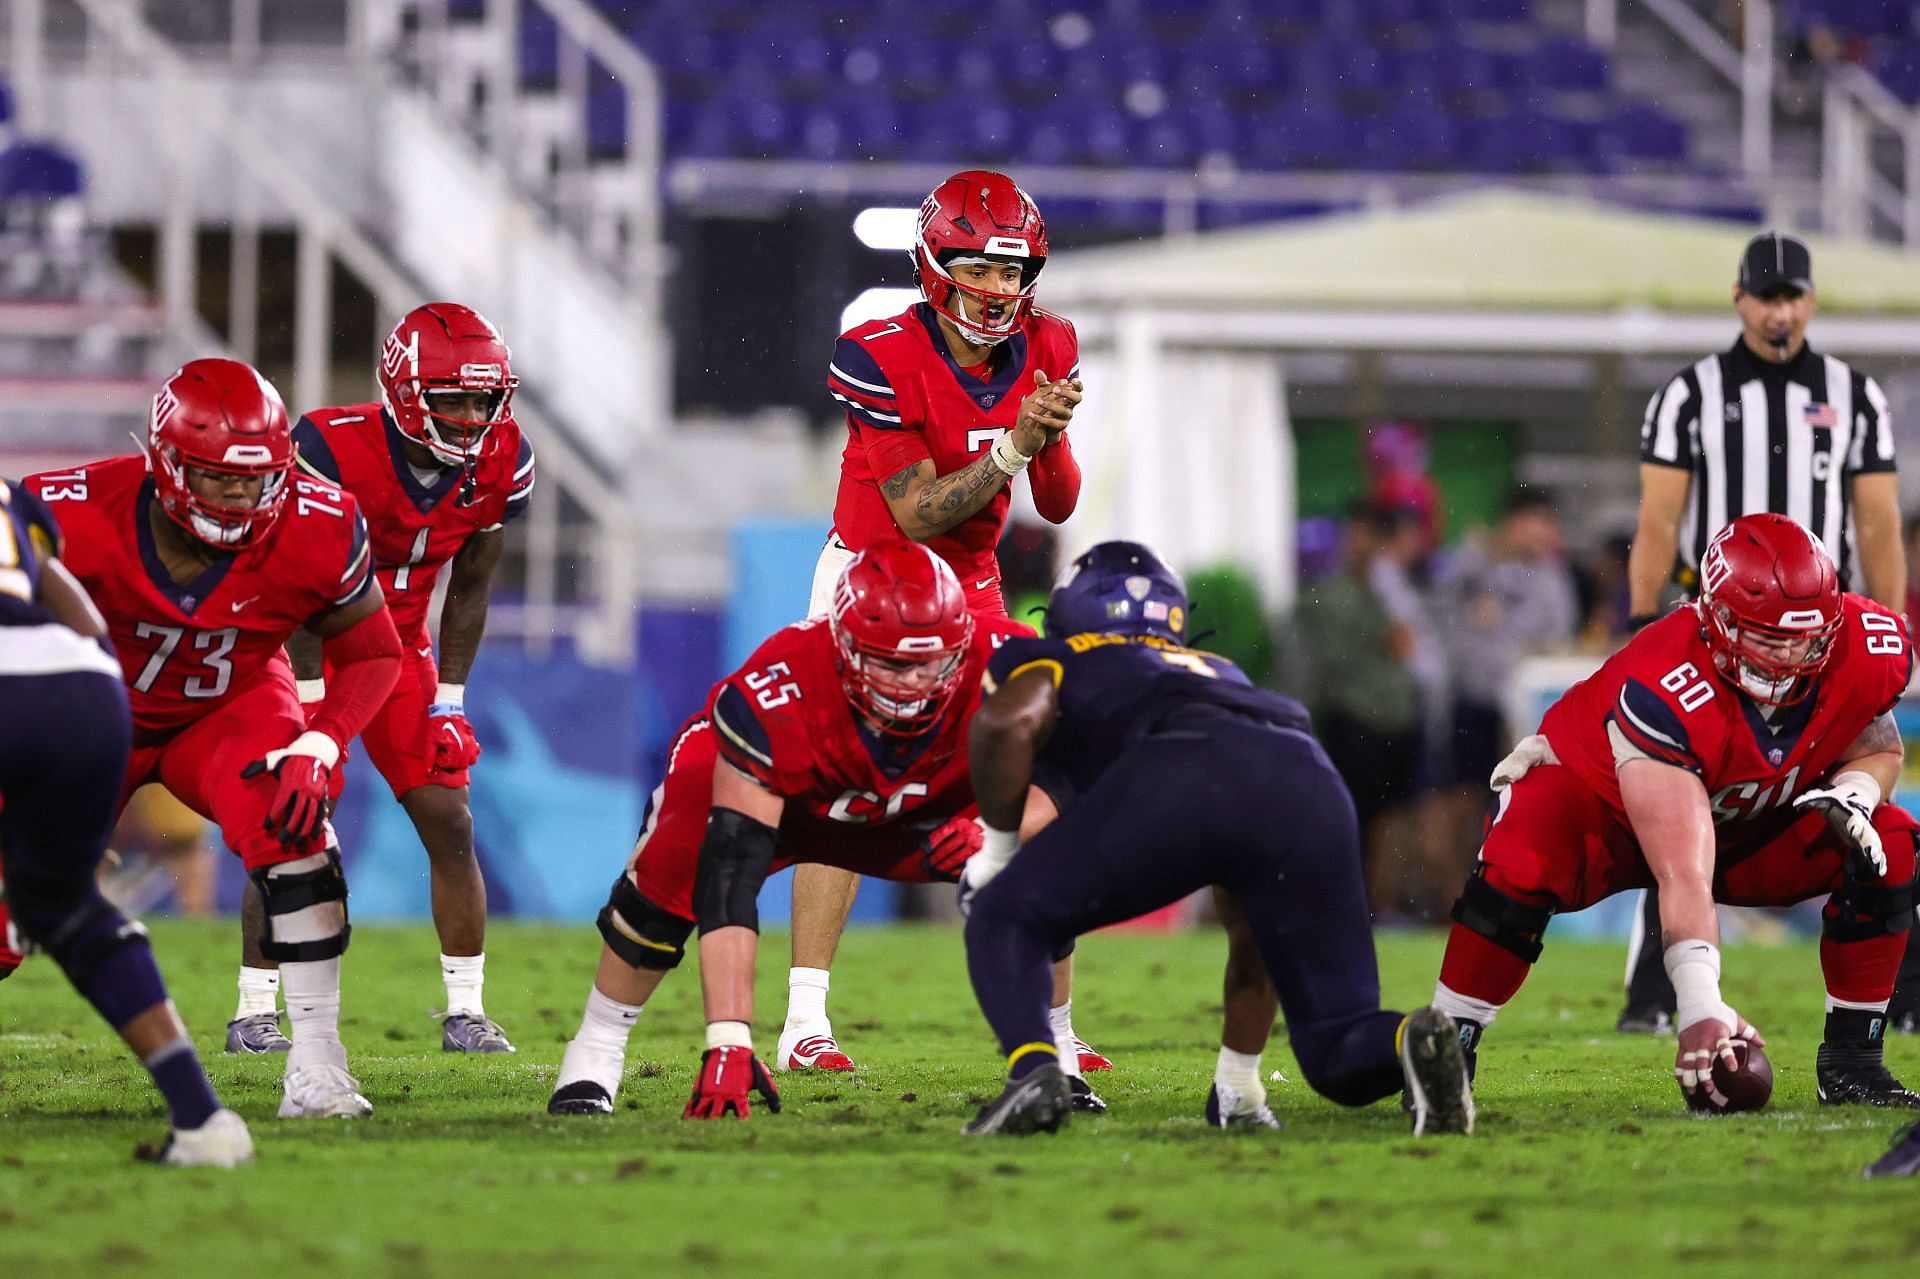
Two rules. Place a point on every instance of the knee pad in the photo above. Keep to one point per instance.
(1513, 925)
(1859, 912)
(91, 935)
(642, 934)
(306, 909)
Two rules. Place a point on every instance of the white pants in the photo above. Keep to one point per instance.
(834, 558)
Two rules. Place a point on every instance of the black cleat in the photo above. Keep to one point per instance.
(1859, 1077)
(1038, 1101)
(1644, 1019)
(1435, 1066)
(1229, 1108)
(1084, 1097)
(1902, 1158)
(581, 1097)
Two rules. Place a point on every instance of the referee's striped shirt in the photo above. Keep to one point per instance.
(1757, 437)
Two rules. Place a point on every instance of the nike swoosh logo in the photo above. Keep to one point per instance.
(984, 584)
(240, 604)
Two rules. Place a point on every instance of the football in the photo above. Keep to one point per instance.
(1746, 1086)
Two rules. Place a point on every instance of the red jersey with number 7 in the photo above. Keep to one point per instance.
(907, 401)
(783, 719)
(418, 521)
(1661, 697)
(184, 647)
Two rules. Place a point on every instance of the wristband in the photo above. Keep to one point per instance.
(449, 699)
(310, 690)
(314, 744)
(1861, 784)
(729, 1034)
(1694, 969)
(1007, 455)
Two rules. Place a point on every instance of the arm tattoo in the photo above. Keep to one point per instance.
(896, 487)
(942, 503)
(1878, 737)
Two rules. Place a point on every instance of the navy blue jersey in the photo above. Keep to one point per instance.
(28, 538)
(1115, 689)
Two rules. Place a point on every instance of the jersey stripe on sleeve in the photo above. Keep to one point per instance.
(358, 576)
(741, 737)
(311, 452)
(1652, 726)
(857, 381)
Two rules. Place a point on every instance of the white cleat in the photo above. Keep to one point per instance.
(221, 1142)
(1231, 1108)
(323, 1092)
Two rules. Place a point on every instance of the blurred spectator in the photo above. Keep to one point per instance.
(1366, 706)
(160, 848)
(1503, 596)
(1396, 457)
(1605, 600)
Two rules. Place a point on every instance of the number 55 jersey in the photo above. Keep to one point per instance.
(186, 648)
(1660, 697)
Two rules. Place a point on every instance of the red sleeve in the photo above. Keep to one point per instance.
(1054, 475)
(891, 452)
(363, 662)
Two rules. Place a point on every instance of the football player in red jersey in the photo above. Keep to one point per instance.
(1737, 751)
(843, 739)
(203, 558)
(441, 467)
(946, 403)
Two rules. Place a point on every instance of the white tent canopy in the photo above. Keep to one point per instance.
(1185, 435)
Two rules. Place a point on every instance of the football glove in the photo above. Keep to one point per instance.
(946, 848)
(1531, 751)
(728, 1075)
(299, 806)
(1850, 813)
(454, 745)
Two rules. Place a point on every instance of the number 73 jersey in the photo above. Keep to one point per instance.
(1661, 697)
(185, 647)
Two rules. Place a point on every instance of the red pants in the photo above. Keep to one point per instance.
(1552, 843)
(396, 738)
(201, 764)
(667, 855)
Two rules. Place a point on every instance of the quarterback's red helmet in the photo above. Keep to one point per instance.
(979, 216)
(445, 347)
(901, 623)
(1770, 602)
(221, 417)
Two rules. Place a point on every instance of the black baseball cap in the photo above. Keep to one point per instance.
(1774, 261)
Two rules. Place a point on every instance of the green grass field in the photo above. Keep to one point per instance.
(1585, 1160)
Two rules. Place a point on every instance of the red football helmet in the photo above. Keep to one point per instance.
(438, 348)
(222, 417)
(979, 216)
(901, 623)
(1770, 602)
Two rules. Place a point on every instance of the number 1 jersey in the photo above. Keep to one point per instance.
(184, 647)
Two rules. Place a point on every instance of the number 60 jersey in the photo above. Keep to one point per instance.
(1661, 697)
(185, 647)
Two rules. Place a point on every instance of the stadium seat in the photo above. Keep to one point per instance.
(36, 172)
(1897, 65)
(1564, 65)
(1643, 132)
(539, 59)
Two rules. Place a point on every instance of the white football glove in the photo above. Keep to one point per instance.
(1532, 750)
(997, 848)
(1849, 805)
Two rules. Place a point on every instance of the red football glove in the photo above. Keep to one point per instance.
(454, 745)
(946, 848)
(727, 1076)
(298, 809)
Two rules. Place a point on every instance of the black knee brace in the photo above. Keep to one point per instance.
(735, 859)
(1862, 911)
(1512, 925)
(287, 895)
(640, 933)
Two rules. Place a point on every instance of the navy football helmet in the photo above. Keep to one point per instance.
(1121, 587)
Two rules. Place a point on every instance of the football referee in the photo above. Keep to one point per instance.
(1766, 425)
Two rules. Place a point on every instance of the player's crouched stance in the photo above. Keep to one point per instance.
(62, 756)
(841, 741)
(203, 557)
(1734, 752)
(1172, 773)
